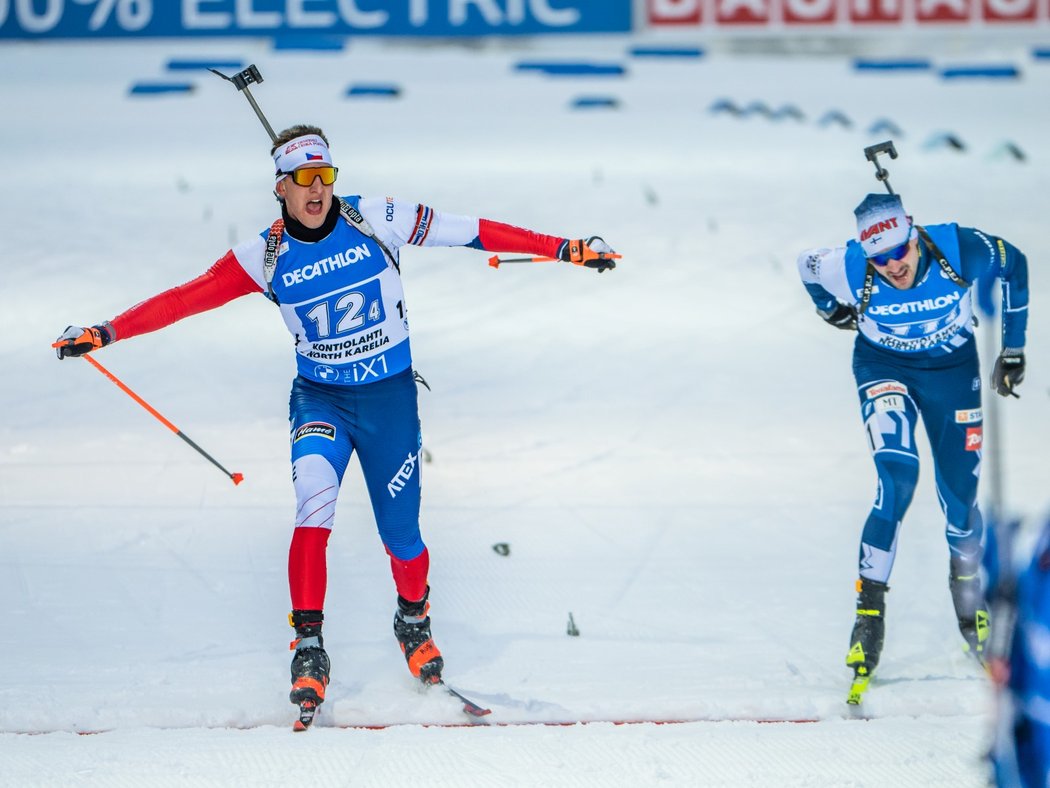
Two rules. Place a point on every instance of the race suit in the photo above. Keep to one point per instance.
(339, 292)
(1021, 749)
(915, 354)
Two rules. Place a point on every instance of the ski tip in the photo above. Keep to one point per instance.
(237, 478)
(473, 709)
(469, 706)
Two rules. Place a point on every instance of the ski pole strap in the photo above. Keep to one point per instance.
(869, 284)
(354, 217)
(273, 243)
(940, 258)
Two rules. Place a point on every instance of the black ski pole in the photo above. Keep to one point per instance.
(871, 153)
(241, 80)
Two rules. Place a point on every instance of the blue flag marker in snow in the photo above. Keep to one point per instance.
(159, 88)
(184, 64)
(382, 91)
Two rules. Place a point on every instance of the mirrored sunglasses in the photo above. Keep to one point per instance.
(305, 176)
(896, 253)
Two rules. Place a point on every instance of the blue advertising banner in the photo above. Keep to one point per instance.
(34, 19)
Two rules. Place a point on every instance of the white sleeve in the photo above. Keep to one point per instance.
(250, 255)
(398, 223)
(825, 269)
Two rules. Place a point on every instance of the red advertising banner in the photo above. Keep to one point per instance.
(843, 14)
(943, 10)
(1009, 10)
(876, 11)
(674, 12)
(810, 12)
(743, 12)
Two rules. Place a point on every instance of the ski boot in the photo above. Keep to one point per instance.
(869, 631)
(971, 609)
(412, 629)
(310, 665)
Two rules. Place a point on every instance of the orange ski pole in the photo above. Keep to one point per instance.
(495, 261)
(237, 478)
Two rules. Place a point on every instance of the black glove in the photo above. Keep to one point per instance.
(592, 253)
(77, 340)
(1008, 372)
(843, 316)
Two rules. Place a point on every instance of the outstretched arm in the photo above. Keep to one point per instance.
(420, 225)
(220, 284)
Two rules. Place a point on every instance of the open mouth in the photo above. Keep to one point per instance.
(313, 207)
(900, 278)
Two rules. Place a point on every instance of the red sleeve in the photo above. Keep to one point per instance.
(499, 237)
(220, 284)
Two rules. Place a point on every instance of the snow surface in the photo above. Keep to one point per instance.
(672, 450)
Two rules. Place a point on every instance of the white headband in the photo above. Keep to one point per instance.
(302, 150)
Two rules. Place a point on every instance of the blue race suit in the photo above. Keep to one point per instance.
(1021, 753)
(915, 355)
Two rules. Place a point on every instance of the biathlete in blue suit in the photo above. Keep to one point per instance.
(906, 290)
(332, 267)
(1021, 749)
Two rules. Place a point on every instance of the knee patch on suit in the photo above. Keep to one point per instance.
(316, 489)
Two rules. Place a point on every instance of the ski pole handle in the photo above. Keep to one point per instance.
(241, 80)
(236, 478)
(871, 153)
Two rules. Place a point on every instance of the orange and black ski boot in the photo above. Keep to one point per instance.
(310, 665)
(412, 629)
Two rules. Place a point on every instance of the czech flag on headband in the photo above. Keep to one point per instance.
(306, 149)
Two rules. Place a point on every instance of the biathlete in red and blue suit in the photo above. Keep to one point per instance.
(331, 265)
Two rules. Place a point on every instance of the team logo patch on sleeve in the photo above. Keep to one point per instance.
(318, 428)
(424, 216)
(974, 438)
(967, 416)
